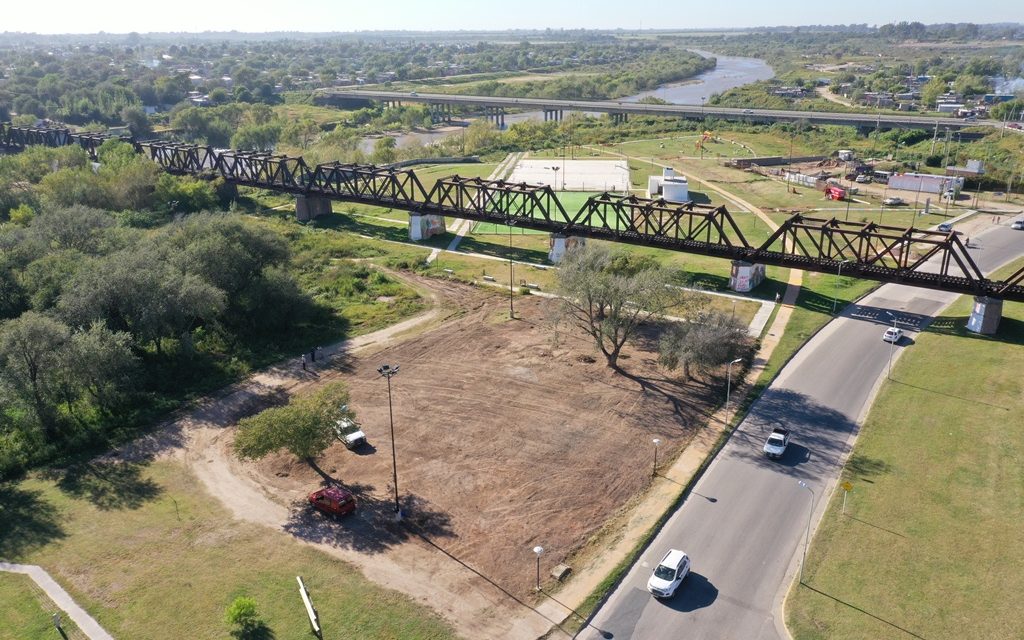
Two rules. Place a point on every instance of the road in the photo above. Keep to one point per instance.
(857, 119)
(744, 523)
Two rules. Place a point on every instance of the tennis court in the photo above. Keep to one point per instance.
(574, 175)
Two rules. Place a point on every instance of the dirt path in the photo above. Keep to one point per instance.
(826, 93)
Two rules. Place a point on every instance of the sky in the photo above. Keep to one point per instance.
(120, 16)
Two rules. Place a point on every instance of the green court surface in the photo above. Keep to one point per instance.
(572, 201)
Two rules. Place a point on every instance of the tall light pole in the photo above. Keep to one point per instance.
(511, 281)
(892, 346)
(807, 536)
(654, 471)
(388, 372)
(728, 387)
(538, 550)
(839, 274)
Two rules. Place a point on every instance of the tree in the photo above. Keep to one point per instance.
(137, 120)
(29, 354)
(384, 150)
(98, 364)
(243, 615)
(932, 90)
(304, 427)
(709, 340)
(610, 294)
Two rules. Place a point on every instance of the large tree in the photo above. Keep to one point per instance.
(609, 294)
(305, 427)
(30, 347)
(706, 341)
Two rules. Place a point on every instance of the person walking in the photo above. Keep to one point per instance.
(304, 362)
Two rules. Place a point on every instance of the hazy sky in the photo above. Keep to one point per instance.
(119, 16)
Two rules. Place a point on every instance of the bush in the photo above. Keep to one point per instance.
(243, 615)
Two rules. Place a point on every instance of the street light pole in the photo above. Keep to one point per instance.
(538, 550)
(807, 536)
(728, 387)
(656, 442)
(892, 346)
(835, 296)
(388, 372)
(511, 280)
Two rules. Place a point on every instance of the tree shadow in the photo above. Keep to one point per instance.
(696, 592)
(107, 484)
(865, 467)
(27, 521)
(259, 631)
(1011, 330)
(372, 527)
(856, 608)
(819, 433)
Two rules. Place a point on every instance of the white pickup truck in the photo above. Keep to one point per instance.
(776, 443)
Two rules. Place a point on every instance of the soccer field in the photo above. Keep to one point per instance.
(572, 201)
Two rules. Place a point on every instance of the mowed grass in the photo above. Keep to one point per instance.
(27, 614)
(150, 555)
(930, 546)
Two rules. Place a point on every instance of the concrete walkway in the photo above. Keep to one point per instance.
(60, 597)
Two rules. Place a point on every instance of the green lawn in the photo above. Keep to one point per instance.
(930, 546)
(27, 614)
(150, 555)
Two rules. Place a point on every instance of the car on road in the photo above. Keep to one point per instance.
(862, 178)
(893, 201)
(1017, 224)
(414, 94)
(893, 335)
(333, 501)
(946, 227)
(748, 111)
(775, 445)
(669, 574)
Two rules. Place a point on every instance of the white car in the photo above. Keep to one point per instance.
(747, 111)
(892, 334)
(669, 574)
(892, 201)
(946, 227)
(862, 178)
(1017, 224)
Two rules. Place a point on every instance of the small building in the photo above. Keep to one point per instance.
(925, 182)
(948, 107)
(669, 186)
(973, 169)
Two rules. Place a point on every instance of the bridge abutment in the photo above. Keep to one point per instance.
(425, 225)
(985, 315)
(559, 243)
(309, 207)
(745, 276)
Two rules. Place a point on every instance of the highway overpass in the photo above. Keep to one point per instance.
(493, 106)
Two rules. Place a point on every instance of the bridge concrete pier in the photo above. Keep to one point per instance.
(425, 225)
(440, 113)
(495, 115)
(985, 315)
(555, 115)
(559, 243)
(619, 118)
(744, 276)
(309, 207)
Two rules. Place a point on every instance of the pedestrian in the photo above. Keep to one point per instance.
(304, 362)
(312, 355)
(778, 297)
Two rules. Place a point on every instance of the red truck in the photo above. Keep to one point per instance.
(833, 192)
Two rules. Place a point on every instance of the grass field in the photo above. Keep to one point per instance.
(27, 614)
(151, 556)
(930, 543)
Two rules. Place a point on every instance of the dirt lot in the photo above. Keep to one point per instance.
(507, 437)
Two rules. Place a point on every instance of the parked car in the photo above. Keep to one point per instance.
(354, 440)
(893, 335)
(892, 201)
(775, 445)
(747, 111)
(862, 178)
(1018, 224)
(669, 574)
(333, 501)
(946, 227)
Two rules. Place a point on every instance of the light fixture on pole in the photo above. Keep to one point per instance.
(388, 371)
(654, 470)
(839, 274)
(807, 536)
(728, 387)
(538, 550)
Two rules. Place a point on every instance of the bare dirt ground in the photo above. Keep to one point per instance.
(508, 435)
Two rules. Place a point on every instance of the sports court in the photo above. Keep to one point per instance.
(573, 175)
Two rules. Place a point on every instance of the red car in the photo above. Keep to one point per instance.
(333, 500)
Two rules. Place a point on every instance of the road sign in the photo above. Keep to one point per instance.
(847, 486)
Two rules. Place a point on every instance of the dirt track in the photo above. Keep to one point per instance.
(506, 436)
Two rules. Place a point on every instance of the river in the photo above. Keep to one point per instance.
(729, 73)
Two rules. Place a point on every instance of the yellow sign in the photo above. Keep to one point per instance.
(847, 486)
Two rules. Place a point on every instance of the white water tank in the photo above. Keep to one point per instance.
(675, 190)
(653, 186)
(668, 172)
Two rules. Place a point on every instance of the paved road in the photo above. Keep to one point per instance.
(861, 119)
(744, 524)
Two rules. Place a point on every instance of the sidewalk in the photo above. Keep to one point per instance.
(60, 597)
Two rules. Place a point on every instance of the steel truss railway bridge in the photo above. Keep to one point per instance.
(908, 256)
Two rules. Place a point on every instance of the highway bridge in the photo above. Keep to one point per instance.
(495, 107)
(909, 256)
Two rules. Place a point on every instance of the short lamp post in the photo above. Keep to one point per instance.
(728, 387)
(511, 280)
(388, 371)
(807, 535)
(538, 550)
(654, 470)
(839, 275)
